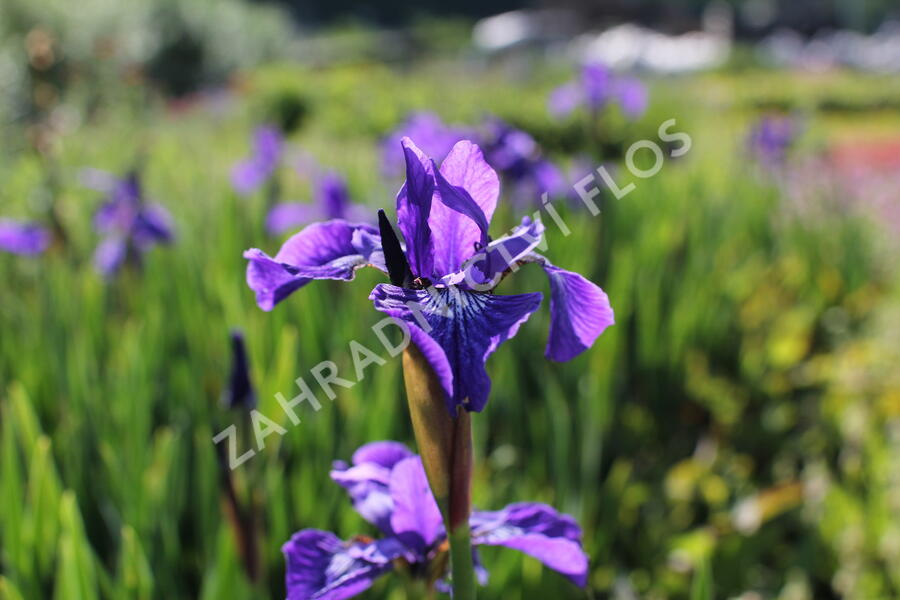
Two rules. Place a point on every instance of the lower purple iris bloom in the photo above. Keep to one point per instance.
(597, 88)
(249, 174)
(130, 225)
(331, 201)
(23, 238)
(388, 487)
(442, 282)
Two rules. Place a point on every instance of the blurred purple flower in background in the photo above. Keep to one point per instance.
(431, 134)
(268, 147)
(595, 89)
(388, 487)
(23, 238)
(770, 139)
(444, 215)
(130, 225)
(517, 157)
(331, 201)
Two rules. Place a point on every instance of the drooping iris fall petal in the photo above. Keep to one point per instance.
(322, 567)
(330, 250)
(536, 530)
(466, 326)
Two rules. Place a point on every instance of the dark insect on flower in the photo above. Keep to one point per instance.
(388, 487)
(457, 322)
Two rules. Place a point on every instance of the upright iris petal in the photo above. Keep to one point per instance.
(414, 209)
(416, 518)
(368, 481)
(456, 233)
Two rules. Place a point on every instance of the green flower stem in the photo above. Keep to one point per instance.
(445, 444)
(462, 572)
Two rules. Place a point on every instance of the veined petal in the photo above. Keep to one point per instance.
(416, 519)
(462, 218)
(413, 208)
(457, 330)
(329, 250)
(537, 530)
(322, 567)
(579, 313)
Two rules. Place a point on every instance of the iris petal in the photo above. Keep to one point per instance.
(457, 330)
(322, 567)
(413, 208)
(329, 250)
(454, 232)
(537, 530)
(579, 313)
(416, 519)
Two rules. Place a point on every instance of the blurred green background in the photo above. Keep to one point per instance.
(735, 435)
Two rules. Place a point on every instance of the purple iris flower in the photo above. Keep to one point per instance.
(130, 225)
(517, 157)
(249, 174)
(431, 134)
(598, 87)
(388, 487)
(23, 238)
(240, 393)
(771, 138)
(442, 281)
(332, 201)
